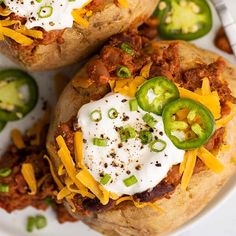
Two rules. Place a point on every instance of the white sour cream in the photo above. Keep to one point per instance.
(132, 158)
(55, 15)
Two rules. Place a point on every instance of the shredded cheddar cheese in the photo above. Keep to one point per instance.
(56, 179)
(123, 3)
(210, 161)
(191, 157)
(226, 119)
(63, 193)
(78, 142)
(17, 139)
(27, 171)
(211, 101)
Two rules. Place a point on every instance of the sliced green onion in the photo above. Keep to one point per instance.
(123, 72)
(4, 172)
(101, 142)
(158, 145)
(96, 115)
(127, 48)
(45, 12)
(4, 188)
(40, 222)
(39, 1)
(30, 224)
(105, 179)
(150, 120)
(130, 181)
(48, 201)
(133, 105)
(113, 113)
(145, 136)
(127, 133)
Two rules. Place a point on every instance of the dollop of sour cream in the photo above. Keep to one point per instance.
(121, 160)
(48, 14)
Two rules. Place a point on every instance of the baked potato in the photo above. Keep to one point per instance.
(187, 66)
(40, 50)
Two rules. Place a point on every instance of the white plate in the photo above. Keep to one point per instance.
(14, 224)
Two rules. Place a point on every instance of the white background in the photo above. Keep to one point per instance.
(218, 219)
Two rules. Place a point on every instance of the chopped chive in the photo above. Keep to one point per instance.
(127, 48)
(40, 222)
(133, 105)
(30, 224)
(158, 145)
(145, 136)
(96, 115)
(123, 72)
(48, 201)
(130, 181)
(127, 133)
(101, 142)
(105, 179)
(4, 172)
(150, 120)
(4, 188)
(113, 113)
(45, 12)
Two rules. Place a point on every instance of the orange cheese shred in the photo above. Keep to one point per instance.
(211, 101)
(210, 161)
(56, 179)
(27, 171)
(63, 193)
(17, 139)
(123, 3)
(191, 157)
(78, 142)
(183, 163)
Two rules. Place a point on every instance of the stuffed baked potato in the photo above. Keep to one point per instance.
(200, 76)
(30, 38)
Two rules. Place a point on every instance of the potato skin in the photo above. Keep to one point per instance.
(182, 206)
(81, 42)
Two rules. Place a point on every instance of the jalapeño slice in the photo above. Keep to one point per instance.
(187, 123)
(184, 19)
(154, 94)
(18, 94)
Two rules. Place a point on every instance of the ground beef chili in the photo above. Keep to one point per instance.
(18, 196)
(166, 63)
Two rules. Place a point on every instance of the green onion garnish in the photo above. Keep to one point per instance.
(150, 120)
(145, 136)
(45, 12)
(123, 72)
(105, 179)
(4, 188)
(158, 145)
(127, 48)
(4, 172)
(130, 181)
(133, 105)
(96, 115)
(40, 222)
(48, 201)
(127, 133)
(30, 224)
(101, 142)
(113, 113)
